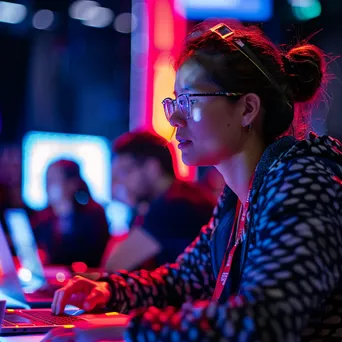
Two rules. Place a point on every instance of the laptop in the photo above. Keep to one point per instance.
(36, 321)
(26, 320)
(31, 275)
(10, 285)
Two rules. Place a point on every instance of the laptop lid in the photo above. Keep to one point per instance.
(10, 288)
(31, 274)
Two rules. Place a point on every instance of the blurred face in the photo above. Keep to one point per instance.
(212, 131)
(129, 180)
(56, 185)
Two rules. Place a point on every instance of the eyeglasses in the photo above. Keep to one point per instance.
(183, 103)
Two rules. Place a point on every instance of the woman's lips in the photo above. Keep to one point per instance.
(184, 143)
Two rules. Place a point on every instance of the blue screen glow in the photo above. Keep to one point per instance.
(249, 10)
(40, 149)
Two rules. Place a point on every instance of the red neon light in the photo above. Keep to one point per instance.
(166, 31)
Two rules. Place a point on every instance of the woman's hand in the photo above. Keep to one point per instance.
(83, 293)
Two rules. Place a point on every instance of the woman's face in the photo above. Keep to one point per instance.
(213, 132)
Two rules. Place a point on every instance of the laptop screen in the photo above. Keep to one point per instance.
(31, 274)
(10, 288)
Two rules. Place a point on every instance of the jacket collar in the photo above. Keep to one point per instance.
(270, 155)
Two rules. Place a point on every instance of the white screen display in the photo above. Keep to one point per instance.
(23, 241)
(40, 149)
(119, 216)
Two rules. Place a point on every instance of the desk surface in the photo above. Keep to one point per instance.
(22, 338)
(28, 338)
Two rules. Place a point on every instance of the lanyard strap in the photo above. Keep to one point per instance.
(240, 224)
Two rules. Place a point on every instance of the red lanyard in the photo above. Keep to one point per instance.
(240, 223)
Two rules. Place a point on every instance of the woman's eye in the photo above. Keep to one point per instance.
(182, 103)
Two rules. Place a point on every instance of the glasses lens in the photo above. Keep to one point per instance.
(183, 105)
(168, 108)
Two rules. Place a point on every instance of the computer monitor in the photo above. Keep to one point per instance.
(119, 216)
(40, 149)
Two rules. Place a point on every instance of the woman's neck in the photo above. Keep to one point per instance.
(238, 169)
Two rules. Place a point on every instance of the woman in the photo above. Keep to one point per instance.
(268, 265)
(73, 228)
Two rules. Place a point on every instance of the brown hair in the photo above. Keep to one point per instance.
(299, 73)
(142, 145)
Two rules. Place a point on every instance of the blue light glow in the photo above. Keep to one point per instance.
(252, 10)
(40, 149)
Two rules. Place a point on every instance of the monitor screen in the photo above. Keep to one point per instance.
(251, 10)
(40, 149)
(119, 217)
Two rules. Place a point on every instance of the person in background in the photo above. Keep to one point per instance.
(268, 266)
(171, 211)
(73, 228)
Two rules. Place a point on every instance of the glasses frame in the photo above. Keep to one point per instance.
(187, 112)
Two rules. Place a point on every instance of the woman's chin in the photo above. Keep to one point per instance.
(190, 160)
(186, 160)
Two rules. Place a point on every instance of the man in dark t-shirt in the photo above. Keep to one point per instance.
(170, 211)
(175, 218)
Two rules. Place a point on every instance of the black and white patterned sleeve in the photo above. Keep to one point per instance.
(294, 263)
(188, 279)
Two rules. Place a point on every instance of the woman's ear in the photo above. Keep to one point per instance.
(251, 107)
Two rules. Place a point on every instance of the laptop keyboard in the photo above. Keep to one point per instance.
(38, 317)
(49, 318)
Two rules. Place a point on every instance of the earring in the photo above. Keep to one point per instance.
(247, 128)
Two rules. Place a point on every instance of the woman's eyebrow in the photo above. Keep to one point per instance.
(182, 90)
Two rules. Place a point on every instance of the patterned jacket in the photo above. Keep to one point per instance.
(285, 286)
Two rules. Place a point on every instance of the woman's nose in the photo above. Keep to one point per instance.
(176, 120)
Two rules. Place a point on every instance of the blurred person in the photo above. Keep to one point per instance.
(169, 210)
(10, 179)
(268, 266)
(5, 203)
(73, 228)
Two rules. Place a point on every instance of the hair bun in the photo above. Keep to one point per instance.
(305, 68)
